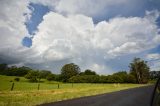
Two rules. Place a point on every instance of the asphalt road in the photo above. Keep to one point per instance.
(131, 97)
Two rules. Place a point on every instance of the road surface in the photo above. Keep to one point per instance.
(131, 97)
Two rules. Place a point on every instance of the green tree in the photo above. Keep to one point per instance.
(22, 71)
(33, 76)
(103, 79)
(123, 76)
(131, 78)
(85, 79)
(88, 72)
(154, 74)
(44, 74)
(140, 70)
(13, 70)
(51, 77)
(114, 79)
(3, 68)
(69, 70)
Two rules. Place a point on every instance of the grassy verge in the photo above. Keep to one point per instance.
(26, 94)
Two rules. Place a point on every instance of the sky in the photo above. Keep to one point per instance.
(101, 35)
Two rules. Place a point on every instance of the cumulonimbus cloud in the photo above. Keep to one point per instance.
(74, 38)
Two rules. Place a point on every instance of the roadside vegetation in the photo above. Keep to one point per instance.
(26, 93)
(71, 73)
(23, 86)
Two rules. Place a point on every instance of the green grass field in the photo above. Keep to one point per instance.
(26, 93)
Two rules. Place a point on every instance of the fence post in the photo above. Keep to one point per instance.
(72, 85)
(38, 85)
(12, 86)
(58, 86)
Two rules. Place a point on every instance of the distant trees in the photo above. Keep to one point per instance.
(84, 79)
(3, 68)
(69, 70)
(13, 70)
(131, 79)
(33, 76)
(44, 74)
(139, 73)
(140, 70)
(36, 76)
(154, 75)
(120, 77)
(88, 72)
(51, 77)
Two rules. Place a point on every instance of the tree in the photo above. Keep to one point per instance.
(22, 71)
(51, 77)
(3, 68)
(85, 79)
(13, 70)
(114, 79)
(103, 79)
(69, 70)
(44, 74)
(88, 72)
(123, 76)
(154, 75)
(17, 79)
(33, 76)
(131, 78)
(140, 70)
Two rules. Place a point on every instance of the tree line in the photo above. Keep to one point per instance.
(139, 73)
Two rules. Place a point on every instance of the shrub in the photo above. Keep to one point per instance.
(115, 79)
(84, 79)
(131, 79)
(17, 79)
(32, 76)
(50, 77)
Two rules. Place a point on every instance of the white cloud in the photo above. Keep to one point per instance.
(93, 8)
(74, 37)
(101, 69)
(134, 34)
(154, 61)
(153, 56)
(11, 19)
(156, 66)
(129, 47)
(13, 15)
(86, 7)
(78, 40)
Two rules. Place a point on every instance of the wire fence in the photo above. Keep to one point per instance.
(22, 86)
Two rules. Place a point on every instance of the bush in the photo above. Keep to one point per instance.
(103, 79)
(33, 79)
(33, 76)
(50, 77)
(131, 79)
(85, 79)
(17, 79)
(115, 79)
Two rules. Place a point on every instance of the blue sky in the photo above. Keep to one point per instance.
(38, 11)
(101, 35)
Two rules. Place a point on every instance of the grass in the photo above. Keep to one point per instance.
(26, 93)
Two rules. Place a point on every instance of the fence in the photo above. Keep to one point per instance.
(19, 86)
